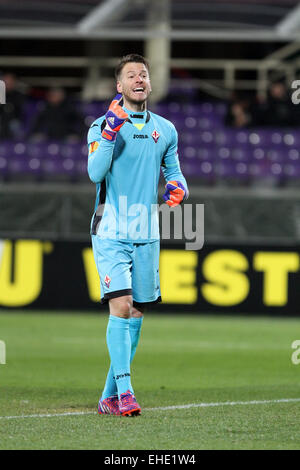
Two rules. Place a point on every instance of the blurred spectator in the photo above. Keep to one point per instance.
(277, 110)
(238, 113)
(58, 120)
(11, 112)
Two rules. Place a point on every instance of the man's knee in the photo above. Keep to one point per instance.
(137, 312)
(121, 306)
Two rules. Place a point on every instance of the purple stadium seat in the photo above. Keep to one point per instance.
(50, 165)
(209, 122)
(206, 153)
(241, 154)
(263, 138)
(206, 108)
(189, 109)
(21, 166)
(188, 138)
(205, 138)
(268, 154)
(6, 148)
(273, 138)
(291, 171)
(189, 152)
(38, 149)
(292, 155)
(260, 138)
(196, 169)
(190, 122)
(223, 153)
(266, 172)
(17, 164)
(197, 138)
(276, 155)
(57, 168)
(232, 138)
(237, 171)
(291, 138)
(71, 150)
(206, 170)
(233, 154)
(258, 154)
(208, 150)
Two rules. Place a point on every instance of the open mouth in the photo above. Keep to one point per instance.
(139, 90)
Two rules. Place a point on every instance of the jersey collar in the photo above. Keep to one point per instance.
(143, 116)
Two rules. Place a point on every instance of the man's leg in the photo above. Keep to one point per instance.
(135, 325)
(119, 346)
(119, 341)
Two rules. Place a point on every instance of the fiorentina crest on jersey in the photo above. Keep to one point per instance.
(155, 136)
(107, 280)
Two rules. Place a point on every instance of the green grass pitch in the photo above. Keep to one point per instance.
(56, 363)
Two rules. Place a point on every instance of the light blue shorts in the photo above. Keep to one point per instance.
(127, 268)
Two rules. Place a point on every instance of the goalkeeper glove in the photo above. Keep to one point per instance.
(175, 193)
(115, 119)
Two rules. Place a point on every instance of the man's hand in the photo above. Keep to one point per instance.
(115, 119)
(175, 193)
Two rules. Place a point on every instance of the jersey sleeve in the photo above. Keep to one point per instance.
(170, 163)
(100, 152)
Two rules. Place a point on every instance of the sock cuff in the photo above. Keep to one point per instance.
(122, 322)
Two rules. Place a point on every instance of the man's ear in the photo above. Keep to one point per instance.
(119, 87)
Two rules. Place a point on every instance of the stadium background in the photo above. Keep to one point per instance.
(212, 68)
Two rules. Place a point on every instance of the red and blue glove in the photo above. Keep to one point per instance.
(115, 119)
(175, 193)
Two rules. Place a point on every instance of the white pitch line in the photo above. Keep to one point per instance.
(163, 408)
(225, 403)
(51, 415)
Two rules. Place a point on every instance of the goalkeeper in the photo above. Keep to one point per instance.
(127, 148)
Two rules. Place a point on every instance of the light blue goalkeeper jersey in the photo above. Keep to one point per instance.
(126, 173)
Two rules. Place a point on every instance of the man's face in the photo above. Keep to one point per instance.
(134, 83)
(278, 90)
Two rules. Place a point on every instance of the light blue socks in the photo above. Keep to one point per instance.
(122, 339)
(135, 327)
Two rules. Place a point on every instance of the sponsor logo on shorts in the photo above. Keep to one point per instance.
(107, 280)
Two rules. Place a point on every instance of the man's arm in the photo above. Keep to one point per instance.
(100, 154)
(101, 141)
(176, 187)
